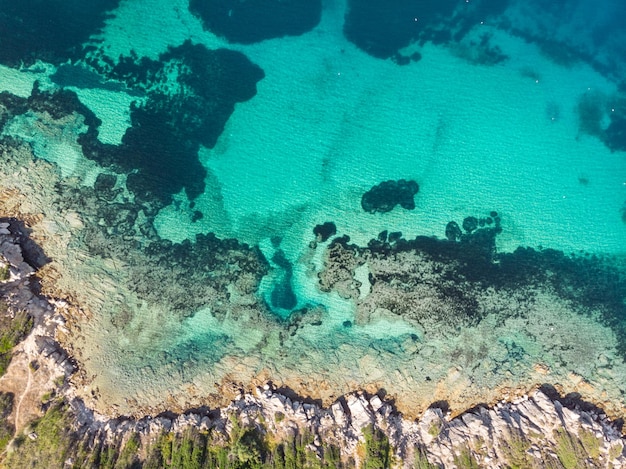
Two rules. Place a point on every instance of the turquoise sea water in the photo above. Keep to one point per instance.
(259, 122)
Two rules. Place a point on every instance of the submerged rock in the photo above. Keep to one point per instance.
(103, 187)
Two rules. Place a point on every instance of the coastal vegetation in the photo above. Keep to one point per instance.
(377, 448)
(421, 460)
(53, 438)
(13, 328)
(65, 436)
(6, 428)
(5, 272)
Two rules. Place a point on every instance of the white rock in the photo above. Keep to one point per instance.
(359, 414)
(338, 414)
(376, 403)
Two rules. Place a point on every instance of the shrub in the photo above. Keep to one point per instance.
(12, 332)
(377, 449)
(5, 272)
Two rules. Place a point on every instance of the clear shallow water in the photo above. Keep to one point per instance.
(485, 120)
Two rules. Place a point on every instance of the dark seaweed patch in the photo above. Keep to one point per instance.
(249, 21)
(159, 152)
(325, 231)
(593, 108)
(206, 267)
(52, 31)
(385, 196)
(57, 104)
(468, 263)
(81, 76)
(382, 28)
(615, 135)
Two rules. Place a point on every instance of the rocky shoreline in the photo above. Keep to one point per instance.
(533, 431)
(536, 430)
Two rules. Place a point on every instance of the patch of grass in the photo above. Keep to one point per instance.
(421, 460)
(465, 459)
(5, 272)
(247, 448)
(53, 442)
(295, 453)
(516, 451)
(6, 429)
(569, 450)
(129, 456)
(377, 448)
(6, 404)
(590, 442)
(59, 381)
(188, 450)
(615, 451)
(435, 428)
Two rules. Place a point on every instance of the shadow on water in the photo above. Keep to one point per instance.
(295, 397)
(574, 401)
(444, 406)
(32, 253)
